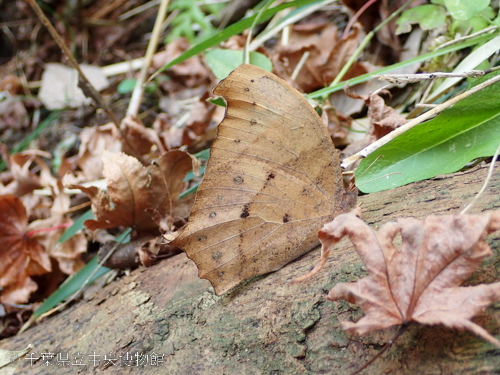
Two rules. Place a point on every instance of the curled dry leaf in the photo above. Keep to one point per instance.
(139, 196)
(420, 281)
(28, 172)
(21, 256)
(48, 231)
(93, 142)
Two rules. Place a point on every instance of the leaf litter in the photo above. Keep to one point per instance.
(133, 182)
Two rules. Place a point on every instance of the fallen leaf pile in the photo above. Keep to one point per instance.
(420, 281)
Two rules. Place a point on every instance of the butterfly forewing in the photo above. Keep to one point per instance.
(273, 178)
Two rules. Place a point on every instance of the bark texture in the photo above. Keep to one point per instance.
(268, 325)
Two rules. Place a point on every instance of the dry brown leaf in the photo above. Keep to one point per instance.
(419, 282)
(138, 196)
(28, 171)
(190, 72)
(172, 168)
(139, 139)
(272, 179)
(327, 55)
(48, 231)
(21, 256)
(93, 142)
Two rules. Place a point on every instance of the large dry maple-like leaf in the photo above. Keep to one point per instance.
(420, 281)
(20, 256)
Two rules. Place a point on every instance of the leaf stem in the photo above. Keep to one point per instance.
(400, 331)
(46, 230)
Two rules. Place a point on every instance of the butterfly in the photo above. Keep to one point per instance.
(272, 180)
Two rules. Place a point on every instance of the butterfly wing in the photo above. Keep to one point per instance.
(272, 180)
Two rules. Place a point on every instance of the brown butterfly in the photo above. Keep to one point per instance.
(272, 180)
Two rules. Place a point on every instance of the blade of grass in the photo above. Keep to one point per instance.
(77, 225)
(86, 276)
(32, 135)
(71, 286)
(427, 56)
(228, 32)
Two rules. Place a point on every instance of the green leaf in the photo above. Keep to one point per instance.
(126, 86)
(77, 226)
(75, 282)
(224, 61)
(217, 101)
(32, 135)
(468, 130)
(204, 154)
(71, 286)
(465, 9)
(190, 175)
(427, 16)
(191, 190)
(230, 31)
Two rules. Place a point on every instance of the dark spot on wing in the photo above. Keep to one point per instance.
(245, 212)
(270, 176)
(286, 218)
(253, 122)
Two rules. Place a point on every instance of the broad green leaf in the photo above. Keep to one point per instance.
(468, 130)
(76, 226)
(427, 16)
(465, 9)
(229, 31)
(224, 61)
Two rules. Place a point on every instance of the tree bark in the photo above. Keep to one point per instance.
(268, 325)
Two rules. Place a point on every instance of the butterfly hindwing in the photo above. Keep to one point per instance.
(272, 180)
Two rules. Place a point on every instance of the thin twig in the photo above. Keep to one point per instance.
(400, 331)
(135, 100)
(300, 65)
(417, 120)
(418, 77)
(461, 39)
(355, 17)
(486, 181)
(84, 83)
